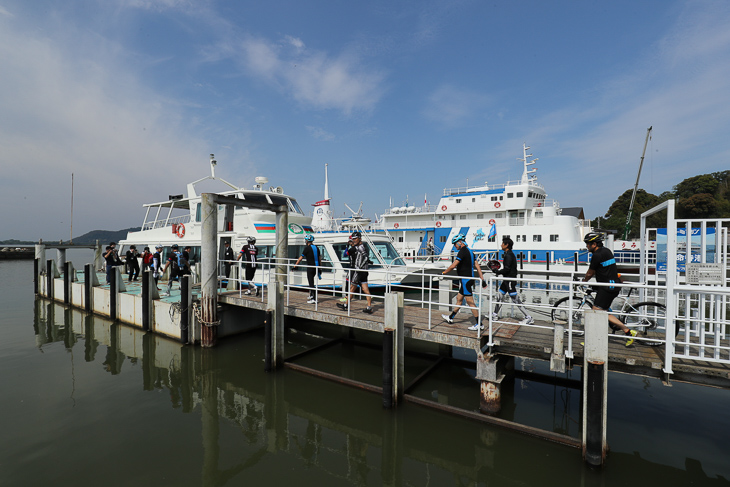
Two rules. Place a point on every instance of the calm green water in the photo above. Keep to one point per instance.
(85, 402)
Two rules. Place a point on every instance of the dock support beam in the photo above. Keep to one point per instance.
(68, 275)
(208, 271)
(393, 351)
(274, 323)
(50, 275)
(557, 358)
(90, 281)
(186, 297)
(147, 283)
(40, 258)
(595, 383)
(491, 371)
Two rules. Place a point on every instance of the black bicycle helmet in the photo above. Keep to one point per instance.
(494, 265)
(593, 237)
(251, 240)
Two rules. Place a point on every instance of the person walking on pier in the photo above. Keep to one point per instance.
(603, 267)
(509, 288)
(249, 253)
(146, 259)
(228, 258)
(132, 263)
(112, 259)
(360, 274)
(178, 265)
(465, 263)
(311, 253)
(157, 263)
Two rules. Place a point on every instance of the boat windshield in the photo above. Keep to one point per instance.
(388, 253)
(294, 207)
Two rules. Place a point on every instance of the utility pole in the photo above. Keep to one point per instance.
(636, 187)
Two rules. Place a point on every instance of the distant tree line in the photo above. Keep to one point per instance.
(705, 196)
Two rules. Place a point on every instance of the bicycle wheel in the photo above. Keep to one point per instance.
(561, 310)
(650, 322)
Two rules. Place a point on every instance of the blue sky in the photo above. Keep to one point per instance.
(399, 98)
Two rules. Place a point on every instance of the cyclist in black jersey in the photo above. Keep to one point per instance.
(465, 263)
(508, 288)
(603, 267)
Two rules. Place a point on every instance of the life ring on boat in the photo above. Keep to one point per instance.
(492, 222)
(180, 230)
(438, 224)
(395, 225)
(443, 208)
(497, 204)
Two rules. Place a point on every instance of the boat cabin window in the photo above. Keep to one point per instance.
(458, 200)
(538, 214)
(509, 195)
(501, 197)
(537, 238)
(499, 215)
(553, 238)
(519, 194)
(480, 216)
(294, 207)
(462, 217)
(400, 239)
(387, 252)
(473, 200)
(494, 198)
(198, 213)
(442, 239)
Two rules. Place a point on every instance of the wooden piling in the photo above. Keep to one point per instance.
(393, 350)
(147, 283)
(595, 382)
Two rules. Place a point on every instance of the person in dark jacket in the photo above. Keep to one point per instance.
(509, 288)
(132, 262)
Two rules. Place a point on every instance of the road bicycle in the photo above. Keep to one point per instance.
(647, 318)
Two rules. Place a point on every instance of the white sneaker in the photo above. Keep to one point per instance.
(311, 301)
(248, 292)
(447, 319)
(164, 294)
(495, 317)
(475, 328)
(527, 321)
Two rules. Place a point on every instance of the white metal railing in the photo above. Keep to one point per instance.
(166, 222)
(700, 312)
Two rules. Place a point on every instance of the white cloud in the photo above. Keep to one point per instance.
(320, 133)
(451, 106)
(61, 113)
(312, 77)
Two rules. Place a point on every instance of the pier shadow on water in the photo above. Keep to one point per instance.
(109, 404)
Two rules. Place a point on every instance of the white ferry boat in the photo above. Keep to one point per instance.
(178, 221)
(541, 230)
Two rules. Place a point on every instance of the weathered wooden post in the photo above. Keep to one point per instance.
(595, 383)
(557, 358)
(147, 283)
(67, 280)
(208, 271)
(113, 283)
(40, 258)
(186, 297)
(90, 281)
(277, 287)
(49, 278)
(393, 350)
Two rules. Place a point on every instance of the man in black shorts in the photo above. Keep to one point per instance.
(509, 269)
(311, 253)
(360, 274)
(249, 253)
(465, 263)
(603, 266)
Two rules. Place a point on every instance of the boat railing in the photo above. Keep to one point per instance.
(166, 222)
(486, 187)
(409, 210)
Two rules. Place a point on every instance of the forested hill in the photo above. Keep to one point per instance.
(705, 196)
(103, 236)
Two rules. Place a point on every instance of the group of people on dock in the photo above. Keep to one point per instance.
(602, 267)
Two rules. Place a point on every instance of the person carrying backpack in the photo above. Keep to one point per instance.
(179, 266)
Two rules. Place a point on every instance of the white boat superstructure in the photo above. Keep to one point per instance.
(540, 228)
(178, 221)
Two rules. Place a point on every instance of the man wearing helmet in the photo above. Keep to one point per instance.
(509, 269)
(249, 254)
(361, 264)
(603, 267)
(311, 253)
(465, 263)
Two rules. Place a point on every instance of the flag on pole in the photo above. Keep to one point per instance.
(493, 230)
(425, 200)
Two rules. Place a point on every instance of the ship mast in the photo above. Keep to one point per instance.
(527, 173)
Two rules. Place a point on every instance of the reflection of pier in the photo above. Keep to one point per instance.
(279, 415)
